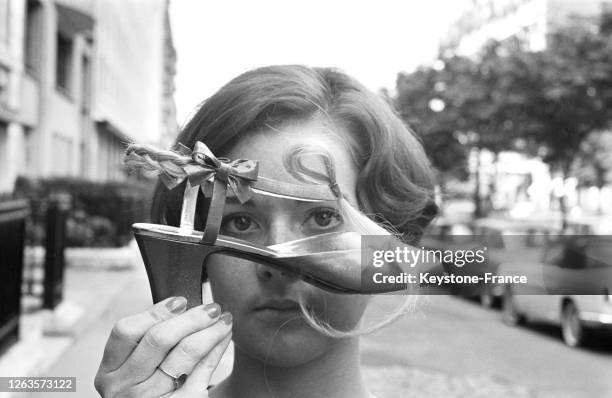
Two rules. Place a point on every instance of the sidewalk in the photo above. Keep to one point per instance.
(82, 357)
(101, 286)
(93, 277)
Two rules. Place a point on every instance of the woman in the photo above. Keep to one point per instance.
(280, 351)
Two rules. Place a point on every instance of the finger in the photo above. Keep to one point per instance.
(128, 331)
(198, 381)
(184, 357)
(158, 385)
(162, 337)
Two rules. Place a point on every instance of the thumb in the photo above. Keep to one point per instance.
(198, 381)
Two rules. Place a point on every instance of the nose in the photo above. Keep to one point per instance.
(267, 274)
(279, 231)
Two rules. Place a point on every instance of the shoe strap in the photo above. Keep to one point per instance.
(190, 200)
(215, 212)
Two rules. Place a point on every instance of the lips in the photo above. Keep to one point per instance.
(279, 305)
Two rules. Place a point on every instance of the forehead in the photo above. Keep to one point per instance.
(270, 145)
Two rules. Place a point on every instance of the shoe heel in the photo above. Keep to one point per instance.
(174, 268)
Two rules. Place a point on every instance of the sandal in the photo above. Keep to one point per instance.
(331, 261)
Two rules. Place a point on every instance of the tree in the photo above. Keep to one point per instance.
(550, 100)
(593, 166)
(569, 95)
(454, 110)
(436, 130)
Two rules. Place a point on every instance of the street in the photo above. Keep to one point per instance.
(457, 338)
(448, 347)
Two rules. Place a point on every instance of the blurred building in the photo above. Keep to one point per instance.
(79, 79)
(529, 20)
(168, 116)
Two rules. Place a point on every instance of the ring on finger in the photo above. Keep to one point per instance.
(178, 380)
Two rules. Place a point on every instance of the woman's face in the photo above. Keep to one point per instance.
(267, 321)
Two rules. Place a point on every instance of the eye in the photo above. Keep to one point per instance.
(239, 224)
(324, 218)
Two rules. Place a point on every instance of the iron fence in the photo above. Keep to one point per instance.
(55, 243)
(13, 215)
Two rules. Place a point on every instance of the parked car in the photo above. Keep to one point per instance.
(521, 242)
(505, 240)
(444, 235)
(571, 286)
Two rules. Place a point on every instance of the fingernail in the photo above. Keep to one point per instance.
(213, 309)
(177, 304)
(226, 317)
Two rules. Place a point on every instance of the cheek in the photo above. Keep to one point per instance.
(233, 283)
(341, 312)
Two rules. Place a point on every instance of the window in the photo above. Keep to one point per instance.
(599, 254)
(63, 67)
(4, 21)
(573, 257)
(30, 150)
(62, 164)
(553, 254)
(4, 158)
(85, 85)
(32, 40)
(4, 85)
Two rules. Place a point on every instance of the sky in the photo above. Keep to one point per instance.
(370, 40)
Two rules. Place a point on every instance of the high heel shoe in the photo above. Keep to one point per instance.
(175, 257)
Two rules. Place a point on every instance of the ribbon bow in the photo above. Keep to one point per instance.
(205, 167)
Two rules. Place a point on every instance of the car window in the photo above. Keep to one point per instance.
(598, 254)
(493, 238)
(554, 254)
(573, 257)
(536, 239)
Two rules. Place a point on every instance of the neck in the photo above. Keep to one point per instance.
(336, 373)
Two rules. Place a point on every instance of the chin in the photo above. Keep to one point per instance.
(284, 344)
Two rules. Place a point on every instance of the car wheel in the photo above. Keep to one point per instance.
(571, 328)
(510, 314)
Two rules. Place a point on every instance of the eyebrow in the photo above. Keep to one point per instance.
(233, 200)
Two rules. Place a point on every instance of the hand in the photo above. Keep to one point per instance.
(169, 337)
